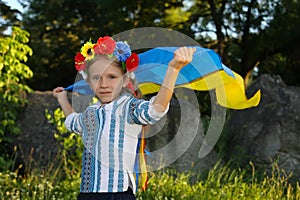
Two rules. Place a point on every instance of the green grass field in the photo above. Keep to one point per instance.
(220, 183)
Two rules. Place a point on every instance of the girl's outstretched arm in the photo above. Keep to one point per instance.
(182, 57)
(61, 95)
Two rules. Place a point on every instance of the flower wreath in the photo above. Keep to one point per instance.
(106, 46)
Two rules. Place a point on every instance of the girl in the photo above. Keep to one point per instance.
(111, 127)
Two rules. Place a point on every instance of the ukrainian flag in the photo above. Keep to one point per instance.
(205, 72)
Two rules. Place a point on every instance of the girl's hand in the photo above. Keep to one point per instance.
(61, 95)
(59, 92)
(182, 57)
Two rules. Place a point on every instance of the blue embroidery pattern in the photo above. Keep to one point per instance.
(111, 148)
(120, 152)
(138, 112)
(91, 123)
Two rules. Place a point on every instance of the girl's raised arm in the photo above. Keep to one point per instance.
(61, 95)
(182, 57)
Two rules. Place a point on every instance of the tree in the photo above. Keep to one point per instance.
(233, 24)
(249, 33)
(241, 31)
(8, 17)
(281, 41)
(59, 28)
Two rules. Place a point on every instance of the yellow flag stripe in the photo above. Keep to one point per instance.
(230, 91)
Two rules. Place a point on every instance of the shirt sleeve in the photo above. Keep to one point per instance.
(143, 112)
(72, 123)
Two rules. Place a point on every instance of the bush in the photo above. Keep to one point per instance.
(13, 73)
(71, 145)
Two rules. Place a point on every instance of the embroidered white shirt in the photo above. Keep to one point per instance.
(110, 136)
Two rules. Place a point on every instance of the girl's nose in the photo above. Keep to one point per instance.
(102, 83)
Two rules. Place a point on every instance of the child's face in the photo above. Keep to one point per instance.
(106, 80)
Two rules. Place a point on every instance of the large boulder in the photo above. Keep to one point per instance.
(269, 133)
(36, 145)
(175, 141)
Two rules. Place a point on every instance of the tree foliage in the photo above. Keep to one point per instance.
(59, 28)
(251, 33)
(9, 17)
(14, 53)
(282, 43)
(248, 34)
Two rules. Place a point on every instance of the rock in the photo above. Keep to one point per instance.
(178, 138)
(270, 132)
(36, 145)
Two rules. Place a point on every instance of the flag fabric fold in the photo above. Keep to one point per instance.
(81, 87)
(205, 72)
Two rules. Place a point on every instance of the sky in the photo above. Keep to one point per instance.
(13, 4)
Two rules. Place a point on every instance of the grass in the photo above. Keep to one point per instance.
(36, 186)
(221, 183)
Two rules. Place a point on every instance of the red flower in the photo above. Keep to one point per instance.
(132, 62)
(79, 62)
(105, 45)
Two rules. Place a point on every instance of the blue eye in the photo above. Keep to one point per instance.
(96, 78)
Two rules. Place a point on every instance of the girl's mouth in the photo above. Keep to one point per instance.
(105, 93)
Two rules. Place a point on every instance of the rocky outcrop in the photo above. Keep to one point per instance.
(269, 133)
(178, 138)
(265, 134)
(36, 145)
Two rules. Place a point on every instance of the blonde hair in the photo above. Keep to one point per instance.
(113, 60)
(117, 63)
